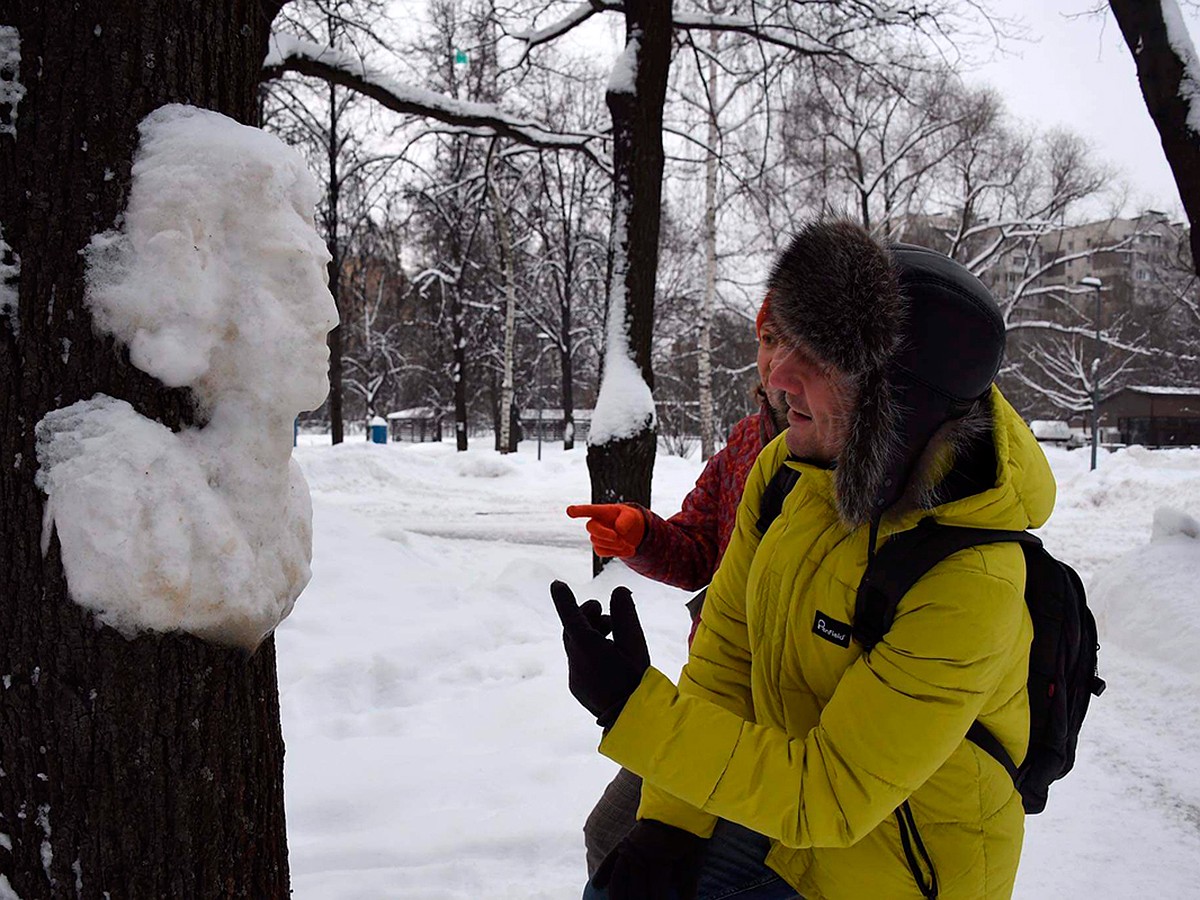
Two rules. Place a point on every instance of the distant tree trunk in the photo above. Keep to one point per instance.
(568, 382)
(621, 470)
(459, 368)
(142, 768)
(704, 361)
(507, 442)
(335, 271)
(1160, 72)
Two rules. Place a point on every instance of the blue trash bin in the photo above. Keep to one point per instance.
(378, 430)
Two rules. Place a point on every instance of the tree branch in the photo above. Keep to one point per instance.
(289, 54)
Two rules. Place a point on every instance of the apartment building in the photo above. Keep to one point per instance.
(1135, 258)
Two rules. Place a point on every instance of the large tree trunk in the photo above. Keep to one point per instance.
(621, 470)
(143, 768)
(1160, 72)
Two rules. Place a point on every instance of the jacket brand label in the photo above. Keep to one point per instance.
(831, 629)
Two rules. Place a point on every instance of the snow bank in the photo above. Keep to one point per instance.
(428, 636)
(1145, 601)
(217, 282)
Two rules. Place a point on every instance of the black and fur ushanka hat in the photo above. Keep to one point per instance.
(918, 338)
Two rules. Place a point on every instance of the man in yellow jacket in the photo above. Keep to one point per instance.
(787, 762)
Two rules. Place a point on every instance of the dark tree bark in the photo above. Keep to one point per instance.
(459, 368)
(568, 382)
(143, 768)
(621, 470)
(332, 223)
(1160, 71)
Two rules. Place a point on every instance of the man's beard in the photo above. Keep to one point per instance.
(777, 403)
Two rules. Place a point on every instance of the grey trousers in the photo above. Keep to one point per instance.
(613, 816)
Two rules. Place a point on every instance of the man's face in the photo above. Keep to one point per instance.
(768, 346)
(818, 401)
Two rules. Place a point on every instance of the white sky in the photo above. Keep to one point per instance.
(1077, 72)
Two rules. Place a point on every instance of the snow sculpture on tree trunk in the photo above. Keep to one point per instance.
(215, 281)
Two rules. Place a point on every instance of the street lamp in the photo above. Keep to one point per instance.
(1096, 283)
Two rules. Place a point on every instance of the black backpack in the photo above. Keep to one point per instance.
(1062, 658)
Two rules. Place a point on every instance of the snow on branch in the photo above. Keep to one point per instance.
(570, 21)
(787, 37)
(290, 54)
(778, 35)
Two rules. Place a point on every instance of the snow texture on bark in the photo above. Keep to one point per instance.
(10, 271)
(624, 403)
(11, 89)
(623, 77)
(1181, 43)
(215, 281)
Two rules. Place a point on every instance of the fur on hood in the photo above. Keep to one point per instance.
(917, 339)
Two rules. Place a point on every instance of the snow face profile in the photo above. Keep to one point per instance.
(218, 278)
(216, 281)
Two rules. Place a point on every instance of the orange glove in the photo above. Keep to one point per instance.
(616, 528)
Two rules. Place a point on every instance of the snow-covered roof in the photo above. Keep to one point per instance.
(1050, 429)
(417, 412)
(1161, 390)
(552, 414)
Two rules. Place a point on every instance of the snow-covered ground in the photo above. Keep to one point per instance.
(434, 753)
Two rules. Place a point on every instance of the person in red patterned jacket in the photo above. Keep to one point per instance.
(683, 551)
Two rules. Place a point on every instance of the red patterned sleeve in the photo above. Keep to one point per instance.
(684, 550)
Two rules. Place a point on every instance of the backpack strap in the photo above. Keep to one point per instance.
(776, 491)
(903, 561)
(978, 735)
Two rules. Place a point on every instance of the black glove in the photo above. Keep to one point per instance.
(653, 862)
(602, 674)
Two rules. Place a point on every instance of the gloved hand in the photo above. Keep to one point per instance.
(652, 862)
(616, 528)
(602, 674)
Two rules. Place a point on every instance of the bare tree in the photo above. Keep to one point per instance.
(322, 121)
(621, 453)
(569, 273)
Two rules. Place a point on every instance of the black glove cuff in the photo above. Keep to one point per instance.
(608, 718)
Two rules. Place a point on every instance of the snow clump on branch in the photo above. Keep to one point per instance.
(216, 280)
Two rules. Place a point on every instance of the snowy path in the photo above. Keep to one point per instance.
(435, 754)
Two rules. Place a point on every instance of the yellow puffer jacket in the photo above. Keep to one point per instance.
(813, 744)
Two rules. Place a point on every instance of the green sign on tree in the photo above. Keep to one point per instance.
(460, 57)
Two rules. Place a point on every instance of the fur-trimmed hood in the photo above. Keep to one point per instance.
(918, 339)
